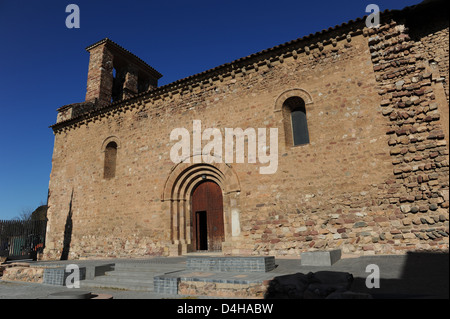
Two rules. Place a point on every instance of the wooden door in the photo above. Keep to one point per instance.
(207, 214)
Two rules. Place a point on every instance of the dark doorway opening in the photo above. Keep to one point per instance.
(207, 214)
(202, 230)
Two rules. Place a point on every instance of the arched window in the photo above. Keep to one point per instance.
(295, 123)
(110, 160)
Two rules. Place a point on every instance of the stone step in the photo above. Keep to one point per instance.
(231, 264)
(131, 276)
(116, 285)
(147, 268)
(122, 279)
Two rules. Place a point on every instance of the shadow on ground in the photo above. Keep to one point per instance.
(424, 275)
(416, 275)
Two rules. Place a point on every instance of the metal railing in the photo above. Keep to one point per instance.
(22, 239)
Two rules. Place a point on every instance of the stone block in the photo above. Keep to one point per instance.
(166, 284)
(320, 258)
(57, 276)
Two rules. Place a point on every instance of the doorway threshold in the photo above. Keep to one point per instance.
(205, 253)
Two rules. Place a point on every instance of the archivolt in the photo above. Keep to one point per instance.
(184, 177)
(109, 140)
(182, 180)
(290, 93)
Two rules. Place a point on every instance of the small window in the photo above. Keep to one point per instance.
(110, 160)
(295, 122)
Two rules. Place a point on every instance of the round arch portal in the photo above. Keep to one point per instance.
(177, 201)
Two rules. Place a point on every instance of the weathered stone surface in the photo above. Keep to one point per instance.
(225, 290)
(23, 273)
(360, 224)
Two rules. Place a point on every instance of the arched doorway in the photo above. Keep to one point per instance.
(207, 217)
(176, 199)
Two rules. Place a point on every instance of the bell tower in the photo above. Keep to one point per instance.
(116, 74)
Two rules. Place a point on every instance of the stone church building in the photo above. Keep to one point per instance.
(362, 149)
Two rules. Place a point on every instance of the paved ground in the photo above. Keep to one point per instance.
(415, 275)
(16, 290)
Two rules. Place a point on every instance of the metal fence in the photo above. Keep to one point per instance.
(22, 239)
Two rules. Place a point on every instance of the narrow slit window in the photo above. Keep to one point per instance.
(110, 160)
(295, 121)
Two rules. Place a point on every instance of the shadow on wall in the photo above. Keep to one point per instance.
(426, 18)
(67, 232)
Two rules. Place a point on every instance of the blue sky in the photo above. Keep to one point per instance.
(43, 64)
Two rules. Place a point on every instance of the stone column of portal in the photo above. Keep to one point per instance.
(182, 225)
(174, 248)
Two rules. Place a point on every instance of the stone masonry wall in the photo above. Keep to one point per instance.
(223, 290)
(435, 47)
(419, 149)
(23, 273)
